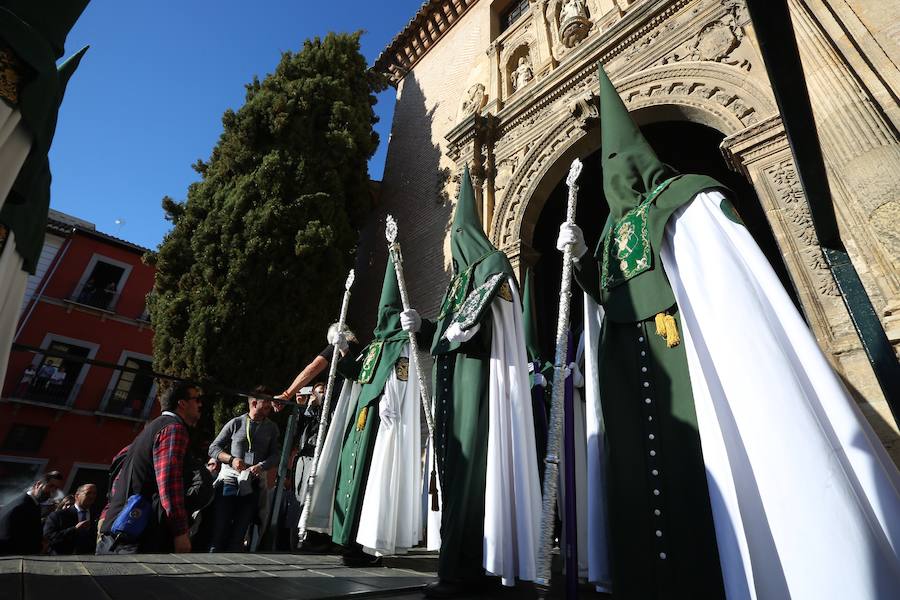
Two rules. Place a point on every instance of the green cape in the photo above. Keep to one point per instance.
(29, 219)
(36, 32)
(376, 362)
(634, 176)
(475, 260)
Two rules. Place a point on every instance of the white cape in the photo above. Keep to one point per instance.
(805, 500)
(598, 559)
(15, 143)
(390, 519)
(13, 281)
(512, 511)
(321, 504)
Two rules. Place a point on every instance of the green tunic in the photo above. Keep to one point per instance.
(356, 454)
(372, 369)
(662, 537)
(461, 377)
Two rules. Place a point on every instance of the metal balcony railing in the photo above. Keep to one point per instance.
(103, 299)
(124, 403)
(45, 390)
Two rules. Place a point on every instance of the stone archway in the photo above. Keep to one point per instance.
(712, 94)
(724, 98)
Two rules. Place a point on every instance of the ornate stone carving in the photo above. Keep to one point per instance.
(574, 23)
(522, 75)
(586, 111)
(716, 42)
(786, 184)
(473, 101)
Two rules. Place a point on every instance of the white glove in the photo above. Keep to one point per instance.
(410, 320)
(387, 412)
(539, 379)
(338, 338)
(577, 375)
(569, 233)
(455, 334)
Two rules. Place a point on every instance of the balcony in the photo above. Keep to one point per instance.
(129, 404)
(45, 391)
(102, 299)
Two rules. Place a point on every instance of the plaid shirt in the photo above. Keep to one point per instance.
(168, 463)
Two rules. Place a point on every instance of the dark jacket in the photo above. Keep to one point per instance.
(20, 527)
(64, 538)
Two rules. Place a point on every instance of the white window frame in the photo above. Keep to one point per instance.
(114, 379)
(82, 375)
(81, 465)
(97, 257)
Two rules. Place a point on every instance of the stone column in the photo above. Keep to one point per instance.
(495, 84)
(544, 39)
(862, 152)
(762, 154)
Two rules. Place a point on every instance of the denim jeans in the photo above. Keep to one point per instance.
(232, 517)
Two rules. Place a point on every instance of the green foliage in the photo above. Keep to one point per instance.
(251, 273)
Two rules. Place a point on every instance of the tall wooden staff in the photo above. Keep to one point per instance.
(560, 368)
(390, 232)
(326, 405)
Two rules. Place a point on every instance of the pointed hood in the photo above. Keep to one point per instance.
(49, 20)
(390, 306)
(631, 169)
(28, 217)
(529, 310)
(468, 243)
(634, 286)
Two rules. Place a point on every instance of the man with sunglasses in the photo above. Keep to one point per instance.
(154, 467)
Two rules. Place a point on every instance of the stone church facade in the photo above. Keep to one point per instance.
(509, 88)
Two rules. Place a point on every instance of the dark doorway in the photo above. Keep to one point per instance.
(690, 148)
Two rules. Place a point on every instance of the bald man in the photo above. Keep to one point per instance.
(73, 530)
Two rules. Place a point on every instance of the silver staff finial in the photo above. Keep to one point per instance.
(350, 277)
(390, 229)
(574, 172)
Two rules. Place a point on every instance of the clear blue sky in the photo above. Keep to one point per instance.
(148, 98)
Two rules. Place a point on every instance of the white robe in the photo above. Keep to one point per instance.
(512, 514)
(13, 281)
(390, 518)
(15, 143)
(321, 504)
(805, 500)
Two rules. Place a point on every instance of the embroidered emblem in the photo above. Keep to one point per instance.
(505, 291)
(373, 353)
(472, 308)
(626, 248)
(401, 367)
(10, 75)
(456, 293)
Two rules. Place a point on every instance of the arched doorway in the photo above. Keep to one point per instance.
(690, 148)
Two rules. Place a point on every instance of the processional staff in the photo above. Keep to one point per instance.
(326, 405)
(390, 232)
(560, 371)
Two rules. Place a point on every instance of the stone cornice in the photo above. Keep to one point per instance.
(433, 19)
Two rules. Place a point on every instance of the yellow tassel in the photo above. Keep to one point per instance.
(672, 337)
(661, 324)
(361, 420)
(433, 491)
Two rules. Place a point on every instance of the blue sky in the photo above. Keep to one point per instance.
(148, 98)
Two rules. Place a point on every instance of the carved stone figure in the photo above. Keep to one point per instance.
(522, 75)
(474, 100)
(573, 22)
